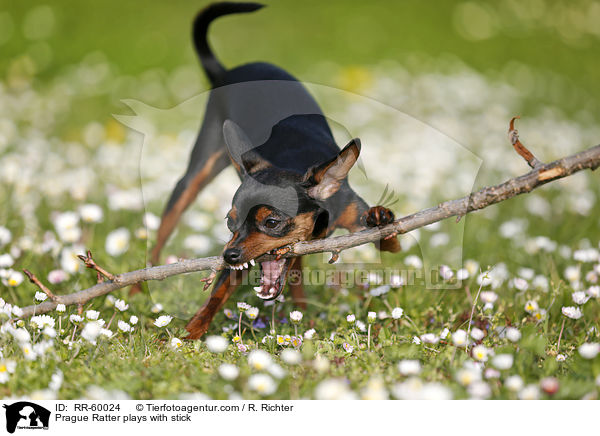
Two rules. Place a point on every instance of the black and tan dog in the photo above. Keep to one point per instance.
(294, 177)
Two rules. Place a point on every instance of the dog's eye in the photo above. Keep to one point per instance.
(271, 223)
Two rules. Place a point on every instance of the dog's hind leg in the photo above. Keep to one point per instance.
(209, 157)
(225, 285)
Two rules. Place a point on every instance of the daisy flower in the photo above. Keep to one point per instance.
(42, 321)
(513, 334)
(163, 320)
(589, 350)
(459, 338)
(57, 276)
(572, 312)
(309, 334)
(409, 367)
(124, 326)
(503, 361)
(252, 313)
(262, 384)
(480, 353)
(91, 213)
(228, 371)
(121, 305)
(92, 314)
(259, 359)
(216, 344)
(397, 312)
(531, 306)
(176, 343)
(117, 241)
(75, 318)
(13, 279)
(291, 356)
(296, 316)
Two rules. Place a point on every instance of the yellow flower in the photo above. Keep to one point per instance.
(355, 78)
(115, 131)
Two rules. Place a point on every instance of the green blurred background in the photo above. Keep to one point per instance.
(559, 37)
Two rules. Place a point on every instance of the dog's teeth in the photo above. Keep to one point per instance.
(245, 265)
(257, 289)
(252, 262)
(272, 291)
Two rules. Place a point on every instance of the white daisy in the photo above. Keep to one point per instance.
(117, 241)
(163, 320)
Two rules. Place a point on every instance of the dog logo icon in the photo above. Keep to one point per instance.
(26, 415)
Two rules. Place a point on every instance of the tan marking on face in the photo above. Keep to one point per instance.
(262, 213)
(258, 243)
(233, 213)
(231, 242)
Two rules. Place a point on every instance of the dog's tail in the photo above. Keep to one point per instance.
(214, 69)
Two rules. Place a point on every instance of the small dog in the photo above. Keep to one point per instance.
(294, 177)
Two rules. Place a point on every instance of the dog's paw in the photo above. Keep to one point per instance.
(377, 216)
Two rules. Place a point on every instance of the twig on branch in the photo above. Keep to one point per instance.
(33, 279)
(209, 280)
(335, 255)
(513, 135)
(540, 175)
(88, 260)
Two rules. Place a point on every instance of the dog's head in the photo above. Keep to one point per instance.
(274, 207)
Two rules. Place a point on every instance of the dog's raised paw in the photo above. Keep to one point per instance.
(377, 216)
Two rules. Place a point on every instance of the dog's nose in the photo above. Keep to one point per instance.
(232, 255)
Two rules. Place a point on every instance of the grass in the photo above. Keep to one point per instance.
(542, 247)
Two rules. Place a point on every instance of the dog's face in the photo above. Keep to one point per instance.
(273, 208)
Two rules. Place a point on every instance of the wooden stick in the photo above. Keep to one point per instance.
(540, 175)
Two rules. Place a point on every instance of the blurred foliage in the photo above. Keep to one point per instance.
(494, 37)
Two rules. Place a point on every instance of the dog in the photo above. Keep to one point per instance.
(294, 185)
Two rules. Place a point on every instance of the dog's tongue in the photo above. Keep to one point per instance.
(269, 280)
(271, 271)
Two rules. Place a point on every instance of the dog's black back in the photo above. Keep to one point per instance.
(294, 176)
(281, 119)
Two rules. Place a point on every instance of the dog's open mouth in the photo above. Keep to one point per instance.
(273, 274)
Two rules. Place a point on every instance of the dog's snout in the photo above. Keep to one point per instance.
(232, 255)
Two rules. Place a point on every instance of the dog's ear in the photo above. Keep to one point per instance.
(325, 179)
(241, 151)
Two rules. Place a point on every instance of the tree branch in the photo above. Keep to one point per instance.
(540, 175)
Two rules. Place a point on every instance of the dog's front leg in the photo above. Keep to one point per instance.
(225, 285)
